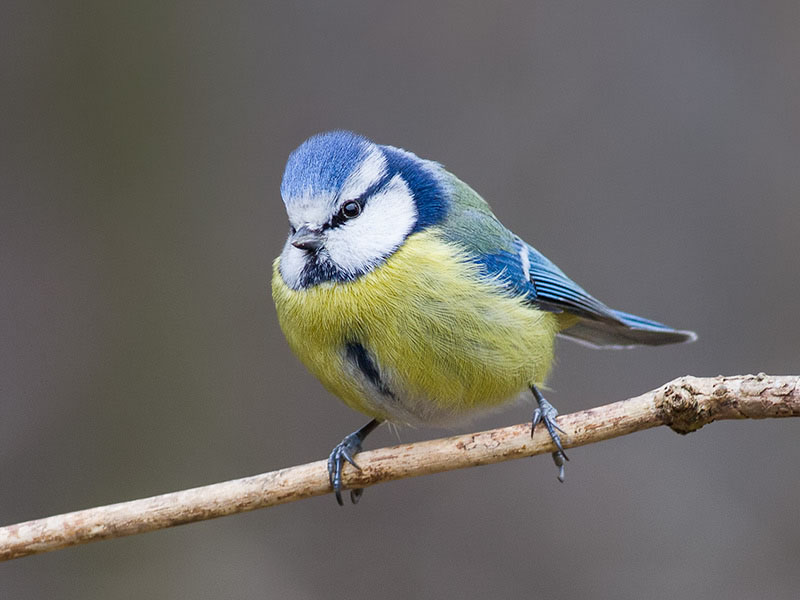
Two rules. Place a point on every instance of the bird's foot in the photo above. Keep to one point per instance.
(546, 414)
(344, 452)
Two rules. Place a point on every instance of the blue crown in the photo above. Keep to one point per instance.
(322, 163)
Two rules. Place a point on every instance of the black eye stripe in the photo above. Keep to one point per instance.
(342, 215)
(339, 218)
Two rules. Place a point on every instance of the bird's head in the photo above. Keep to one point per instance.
(351, 203)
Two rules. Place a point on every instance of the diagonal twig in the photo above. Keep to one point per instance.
(685, 405)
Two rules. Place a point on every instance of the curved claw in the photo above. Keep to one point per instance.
(560, 458)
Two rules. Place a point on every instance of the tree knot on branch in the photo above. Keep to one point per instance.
(678, 405)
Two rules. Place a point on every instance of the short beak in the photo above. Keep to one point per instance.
(306, 238)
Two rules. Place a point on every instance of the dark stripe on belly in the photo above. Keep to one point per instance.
(361, 358)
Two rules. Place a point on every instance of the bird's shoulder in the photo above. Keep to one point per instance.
(471, 222)
(471, 225)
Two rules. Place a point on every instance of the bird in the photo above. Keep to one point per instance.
(403, 293)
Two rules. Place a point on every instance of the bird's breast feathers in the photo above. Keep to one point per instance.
(421, 338)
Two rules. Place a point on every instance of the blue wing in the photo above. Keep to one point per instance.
(525, 271)
(528, 272)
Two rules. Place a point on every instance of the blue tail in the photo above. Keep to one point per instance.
(625, 331)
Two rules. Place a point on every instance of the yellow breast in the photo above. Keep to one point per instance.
(445, 340)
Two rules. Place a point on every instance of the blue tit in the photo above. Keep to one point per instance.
(410, 301)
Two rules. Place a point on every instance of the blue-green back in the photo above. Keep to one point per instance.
(522, 270)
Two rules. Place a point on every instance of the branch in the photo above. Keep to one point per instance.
(685, 405)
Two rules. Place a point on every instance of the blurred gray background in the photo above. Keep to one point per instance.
(651, 149)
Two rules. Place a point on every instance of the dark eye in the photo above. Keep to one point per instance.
(351, 209)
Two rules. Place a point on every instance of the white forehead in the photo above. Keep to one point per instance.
(317, 208)
(371, 170)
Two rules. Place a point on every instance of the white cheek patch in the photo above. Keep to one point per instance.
(388, 217)
(369, 172)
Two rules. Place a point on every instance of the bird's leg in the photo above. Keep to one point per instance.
(547, 414)
(345, 451)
